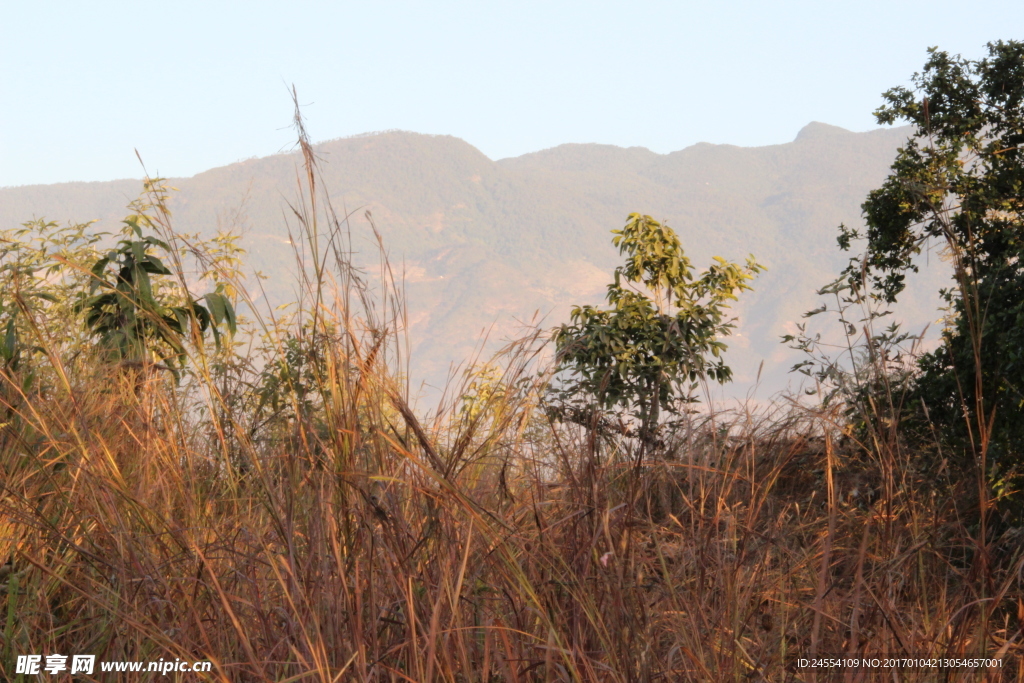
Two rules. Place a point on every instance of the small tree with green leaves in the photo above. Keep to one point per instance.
(660, 335)
(136, 319)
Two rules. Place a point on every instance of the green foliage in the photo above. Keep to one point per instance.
(42, 265)
(132, 317)
(484, 387)
(290, 384)
(661, 333)
(868, 379)
(960, 180)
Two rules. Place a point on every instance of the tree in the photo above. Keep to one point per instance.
(133, 320)
(960, 180)
(661, 333)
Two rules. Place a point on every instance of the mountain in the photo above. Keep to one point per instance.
(485, 243)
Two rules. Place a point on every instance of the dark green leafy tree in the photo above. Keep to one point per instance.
(960, 181)
(138, 319)
(660, 334)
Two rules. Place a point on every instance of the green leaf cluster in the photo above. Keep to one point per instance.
(42, 266)
(661, 331)
(130, 316)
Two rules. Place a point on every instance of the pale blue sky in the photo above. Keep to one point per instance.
(193, 85)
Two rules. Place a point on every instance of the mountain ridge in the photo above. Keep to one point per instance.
(489, 241)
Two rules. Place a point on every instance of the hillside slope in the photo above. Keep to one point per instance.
(486, 243)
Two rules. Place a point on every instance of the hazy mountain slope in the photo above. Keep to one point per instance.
(487, 242)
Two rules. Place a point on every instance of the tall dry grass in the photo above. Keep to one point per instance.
(339, 535)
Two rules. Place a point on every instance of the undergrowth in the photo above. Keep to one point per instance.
(284, 512)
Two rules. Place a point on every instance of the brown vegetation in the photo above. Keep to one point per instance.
(312, 527)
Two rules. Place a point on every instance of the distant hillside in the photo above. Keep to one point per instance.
(488, 242)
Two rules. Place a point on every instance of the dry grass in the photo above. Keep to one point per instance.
(343, 538)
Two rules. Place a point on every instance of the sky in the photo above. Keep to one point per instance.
(195, 85)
